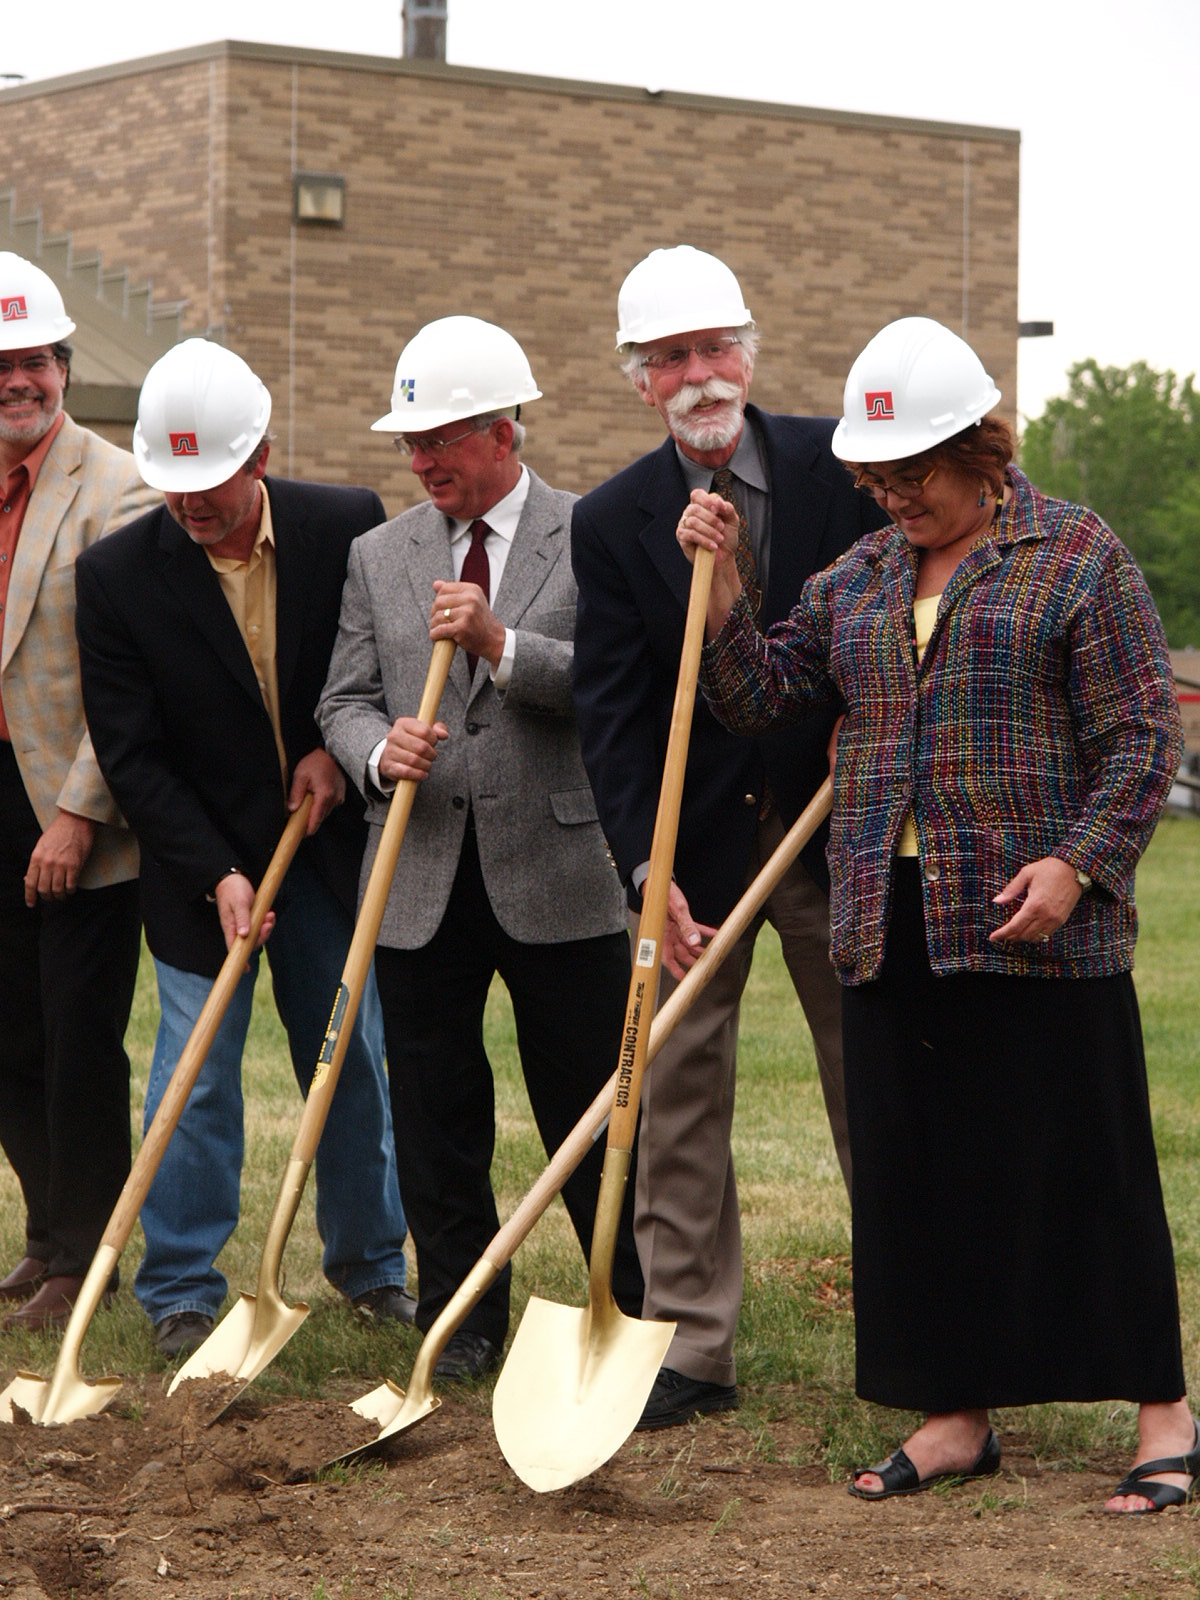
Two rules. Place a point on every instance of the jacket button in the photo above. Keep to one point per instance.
(472, 727)
(933, 873)
(458, 802)
(749, 800)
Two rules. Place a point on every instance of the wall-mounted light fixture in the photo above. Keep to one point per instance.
(319, 197)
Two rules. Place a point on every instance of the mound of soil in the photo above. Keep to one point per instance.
(145, 1501)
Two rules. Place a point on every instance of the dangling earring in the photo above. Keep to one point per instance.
(983, 496)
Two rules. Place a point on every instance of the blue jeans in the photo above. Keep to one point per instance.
(192, 1206)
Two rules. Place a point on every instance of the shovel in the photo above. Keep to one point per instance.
(392, 1407)
(255, 1329)
(68, 1397)
(576, 1382)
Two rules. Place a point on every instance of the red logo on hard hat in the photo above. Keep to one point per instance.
(13, 308)
(184, 444)
(879, 406)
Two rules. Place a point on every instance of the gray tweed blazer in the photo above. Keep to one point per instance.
(513, 757)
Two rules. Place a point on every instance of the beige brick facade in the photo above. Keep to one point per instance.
(521, 200)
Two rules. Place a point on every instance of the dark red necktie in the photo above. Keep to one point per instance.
(476, 569)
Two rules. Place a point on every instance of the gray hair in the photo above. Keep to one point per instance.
(485, 419)
(255, 455)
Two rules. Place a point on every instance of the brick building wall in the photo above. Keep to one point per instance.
(517, 199)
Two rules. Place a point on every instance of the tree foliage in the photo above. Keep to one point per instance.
(1126, 442)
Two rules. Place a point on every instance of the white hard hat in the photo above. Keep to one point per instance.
(31, 308)
(678, 291)
(201, 413)
(455, 368)
(915, 384)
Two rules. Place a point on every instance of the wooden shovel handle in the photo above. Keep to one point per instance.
(647, 952)
(192, 1057)
(581, 1138)
(366, 929)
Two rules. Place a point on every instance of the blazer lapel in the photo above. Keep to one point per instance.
(662, 500)
(799, 508)
(538, 544)
(53, 494)
(289, 524)
(426, 558)
(187, 572)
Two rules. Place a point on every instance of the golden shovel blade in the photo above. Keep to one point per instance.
(393, 1410)
(246, 1340)
(52, 1403)
(68, 1397)
(573, 1388)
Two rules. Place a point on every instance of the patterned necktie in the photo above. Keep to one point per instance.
(476, 569)
(723, 484)
(747, 567)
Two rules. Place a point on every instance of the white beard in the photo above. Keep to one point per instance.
(715, 429)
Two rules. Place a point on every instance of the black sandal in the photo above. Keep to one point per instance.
(899, 1476)
(1162, 1495)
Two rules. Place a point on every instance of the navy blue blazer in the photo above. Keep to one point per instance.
(177, 719)
(633, 590)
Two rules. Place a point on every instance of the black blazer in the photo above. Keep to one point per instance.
(633, 590)
(177, 719)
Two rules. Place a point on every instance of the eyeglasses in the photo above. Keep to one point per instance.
(408, 444)
(710, 351)
(902, 488)
(32, 366)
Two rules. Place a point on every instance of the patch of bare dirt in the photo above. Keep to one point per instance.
(143, 1501)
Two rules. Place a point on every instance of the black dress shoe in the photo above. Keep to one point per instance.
(181, 1334)
(676, 1398)
(387, 1304)
(467, 1355)
(24, 1279)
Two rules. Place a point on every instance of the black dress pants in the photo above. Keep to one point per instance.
(67, 975)
(569, 1006)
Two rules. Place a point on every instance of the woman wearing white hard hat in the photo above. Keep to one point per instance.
(1010, 736)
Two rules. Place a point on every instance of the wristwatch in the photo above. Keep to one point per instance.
(1083, 879)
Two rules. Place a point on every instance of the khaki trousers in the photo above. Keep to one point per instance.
(686, 1220)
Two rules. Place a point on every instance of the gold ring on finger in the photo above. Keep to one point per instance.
(446, 613)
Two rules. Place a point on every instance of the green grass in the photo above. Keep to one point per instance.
(796, 1339)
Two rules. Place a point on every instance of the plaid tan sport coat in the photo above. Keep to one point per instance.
(86, 488)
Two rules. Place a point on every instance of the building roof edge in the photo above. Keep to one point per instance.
(241, 49)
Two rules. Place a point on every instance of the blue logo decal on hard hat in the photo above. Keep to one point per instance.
(407, 387)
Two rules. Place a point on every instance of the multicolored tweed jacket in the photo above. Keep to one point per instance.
(1041, 721)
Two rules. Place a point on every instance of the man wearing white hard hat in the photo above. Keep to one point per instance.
(205, 633)
(504, 867)
(689, 343)
(69, 931)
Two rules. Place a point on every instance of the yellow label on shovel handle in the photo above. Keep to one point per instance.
(337, 1017)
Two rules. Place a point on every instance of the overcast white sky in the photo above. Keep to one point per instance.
(1103, 94)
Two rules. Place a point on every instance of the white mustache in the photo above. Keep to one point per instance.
(690, 395)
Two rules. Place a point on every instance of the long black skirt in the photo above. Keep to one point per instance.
(1010, 1241)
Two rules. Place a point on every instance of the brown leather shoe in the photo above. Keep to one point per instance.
(51, 1306)
(24, 1278)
